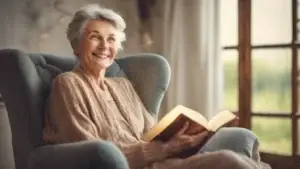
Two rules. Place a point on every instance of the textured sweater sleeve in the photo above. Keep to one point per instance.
(142, 154)
(68, 114)
(70, 119)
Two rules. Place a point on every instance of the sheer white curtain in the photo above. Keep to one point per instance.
(190, 42)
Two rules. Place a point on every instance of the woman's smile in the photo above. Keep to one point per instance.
(100, 55)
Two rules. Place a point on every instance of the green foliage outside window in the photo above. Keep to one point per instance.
(271, 92)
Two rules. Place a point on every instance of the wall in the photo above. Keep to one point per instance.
(39, 25)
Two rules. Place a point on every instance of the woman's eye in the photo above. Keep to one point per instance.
(94, 37)
(111, 39)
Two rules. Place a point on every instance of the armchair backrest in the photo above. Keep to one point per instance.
(25, 83)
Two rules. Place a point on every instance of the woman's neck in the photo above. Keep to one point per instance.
(97, 76)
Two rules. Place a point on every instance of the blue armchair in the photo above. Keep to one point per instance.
(25, 85)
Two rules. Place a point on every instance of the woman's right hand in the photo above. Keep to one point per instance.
(181, 141)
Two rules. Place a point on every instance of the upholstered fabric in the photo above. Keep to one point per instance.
(26, 83)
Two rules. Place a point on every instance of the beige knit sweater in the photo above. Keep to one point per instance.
(81, 110)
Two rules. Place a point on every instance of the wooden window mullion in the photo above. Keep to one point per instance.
(244, 62)
(294, 78)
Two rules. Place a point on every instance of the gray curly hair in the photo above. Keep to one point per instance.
(94, 12)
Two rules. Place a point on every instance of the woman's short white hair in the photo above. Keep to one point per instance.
(94, 12)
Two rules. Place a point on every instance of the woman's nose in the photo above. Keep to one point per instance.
(103, 44)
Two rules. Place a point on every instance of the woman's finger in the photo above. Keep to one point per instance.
(183, 129)
(200, 136)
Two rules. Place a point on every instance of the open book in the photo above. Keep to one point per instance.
(173, 121)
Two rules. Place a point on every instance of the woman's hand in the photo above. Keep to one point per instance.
(181, 141)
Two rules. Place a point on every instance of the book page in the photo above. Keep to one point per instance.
(194, 115)
(220, 119)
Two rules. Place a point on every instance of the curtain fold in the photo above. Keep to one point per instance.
(190, 43)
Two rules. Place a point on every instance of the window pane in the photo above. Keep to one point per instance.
(298, 82)
(271, 140)
(271, 80)
(271, 21)
(228, 22)
(230, 61)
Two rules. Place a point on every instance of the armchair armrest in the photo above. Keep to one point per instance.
(150, 74)
(79, 155)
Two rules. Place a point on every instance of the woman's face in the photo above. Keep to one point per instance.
(98, 45)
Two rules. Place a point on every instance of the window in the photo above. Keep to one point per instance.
(261, 75)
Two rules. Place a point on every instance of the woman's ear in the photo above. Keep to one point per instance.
(76, 53)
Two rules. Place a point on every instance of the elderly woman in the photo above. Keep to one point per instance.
(85, 105)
